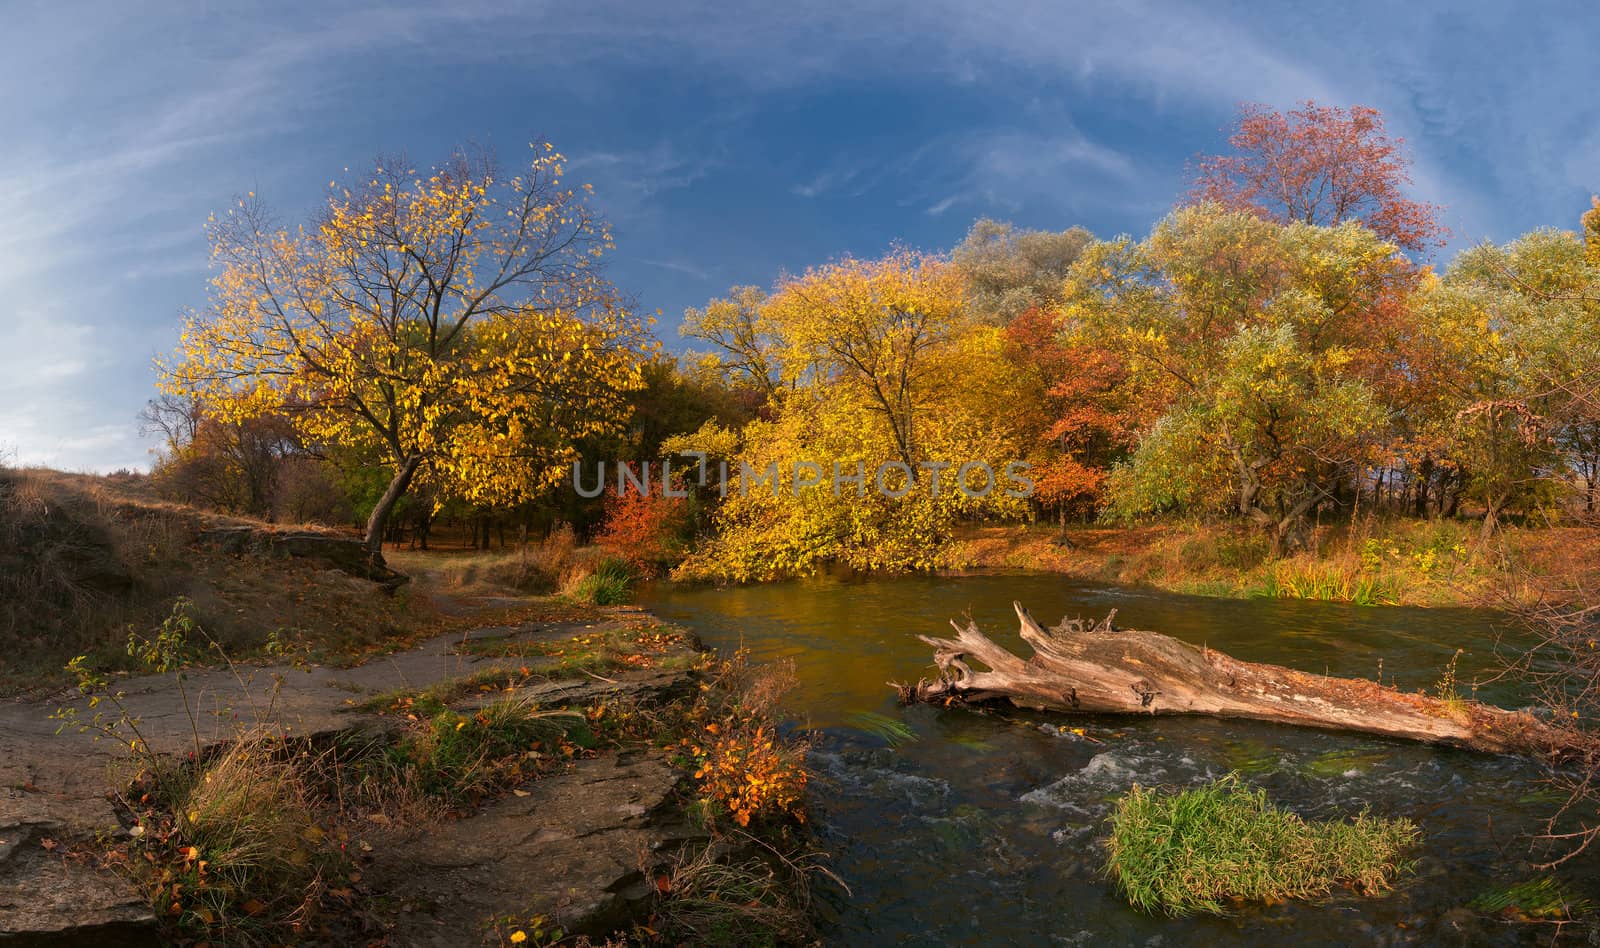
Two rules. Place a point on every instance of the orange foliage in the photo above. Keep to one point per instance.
(1082, 426)
(645, 529)
(1320, 165)
(751, 771)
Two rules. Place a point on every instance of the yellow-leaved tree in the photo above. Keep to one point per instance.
(454, 323)
(883, 387)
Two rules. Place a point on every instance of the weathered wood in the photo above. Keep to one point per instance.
(1096, 667)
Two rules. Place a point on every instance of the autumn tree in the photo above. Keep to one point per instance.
(455, 323)
(1073, 408)
(1591, 232)
(226, 464)
(647, 529)
(1321, 165)
(743, 341)
(1009, 270)
(880, 368)
(1256, 348)
(872, 326)
(1523, 323)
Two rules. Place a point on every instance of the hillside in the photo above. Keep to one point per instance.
(84, 559)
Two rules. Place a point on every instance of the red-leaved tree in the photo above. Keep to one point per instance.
(1323, 165)
(646, 529)
(1081, 424)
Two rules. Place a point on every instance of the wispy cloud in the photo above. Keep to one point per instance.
(683, 267)
(132, 122)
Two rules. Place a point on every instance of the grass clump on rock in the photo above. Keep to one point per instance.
(1189, 851)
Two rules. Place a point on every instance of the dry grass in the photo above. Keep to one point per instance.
(1410, 562)
(555, 565)
(536, 568)
(710, 898)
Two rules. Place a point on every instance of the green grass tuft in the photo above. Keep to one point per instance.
(1328, 582)
(608, 585)
(457, 757)
(893, 731)
(1190, 851)
(1544, 897)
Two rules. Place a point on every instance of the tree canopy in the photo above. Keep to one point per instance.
(1320, 164)
(455, 323)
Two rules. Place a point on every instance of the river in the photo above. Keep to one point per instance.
(982, 829)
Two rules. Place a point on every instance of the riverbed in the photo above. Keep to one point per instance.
(957, 828)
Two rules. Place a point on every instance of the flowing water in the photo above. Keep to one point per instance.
(983, 829)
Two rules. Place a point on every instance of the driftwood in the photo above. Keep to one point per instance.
(1096, 667)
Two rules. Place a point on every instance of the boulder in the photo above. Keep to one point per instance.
(345, 554)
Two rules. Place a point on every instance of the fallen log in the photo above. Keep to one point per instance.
(1081, 666)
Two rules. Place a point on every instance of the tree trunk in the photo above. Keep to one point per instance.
(1491, 518)
(379, 519)
(424, 527)
(1424, 479)
(1094, 667)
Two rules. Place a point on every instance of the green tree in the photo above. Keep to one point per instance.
(1521, 324)
(1009, 270)
(1259, 349)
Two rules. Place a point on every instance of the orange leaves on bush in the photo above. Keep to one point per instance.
(645, 529)
(751, 771)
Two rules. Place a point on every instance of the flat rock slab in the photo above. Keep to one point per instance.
(579, 848)
(645, 685)
(55, 785)
(48, 898)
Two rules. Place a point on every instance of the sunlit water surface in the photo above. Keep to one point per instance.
(985, 829)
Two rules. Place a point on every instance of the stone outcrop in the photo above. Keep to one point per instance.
(576, 846)
(345, 554)
(50, 898)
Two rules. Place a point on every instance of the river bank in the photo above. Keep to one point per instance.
(534, 773)
(1440, 563)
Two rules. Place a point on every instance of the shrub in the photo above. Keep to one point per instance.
(537, 568)
(751, 772)
(1188, 851)
(646, 530)
(246, 844)
(742, 765)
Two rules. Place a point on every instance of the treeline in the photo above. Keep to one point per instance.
(1277, 350)
(1280, 348)
(260, 466)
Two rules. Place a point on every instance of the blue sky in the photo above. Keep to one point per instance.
(725, 142)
